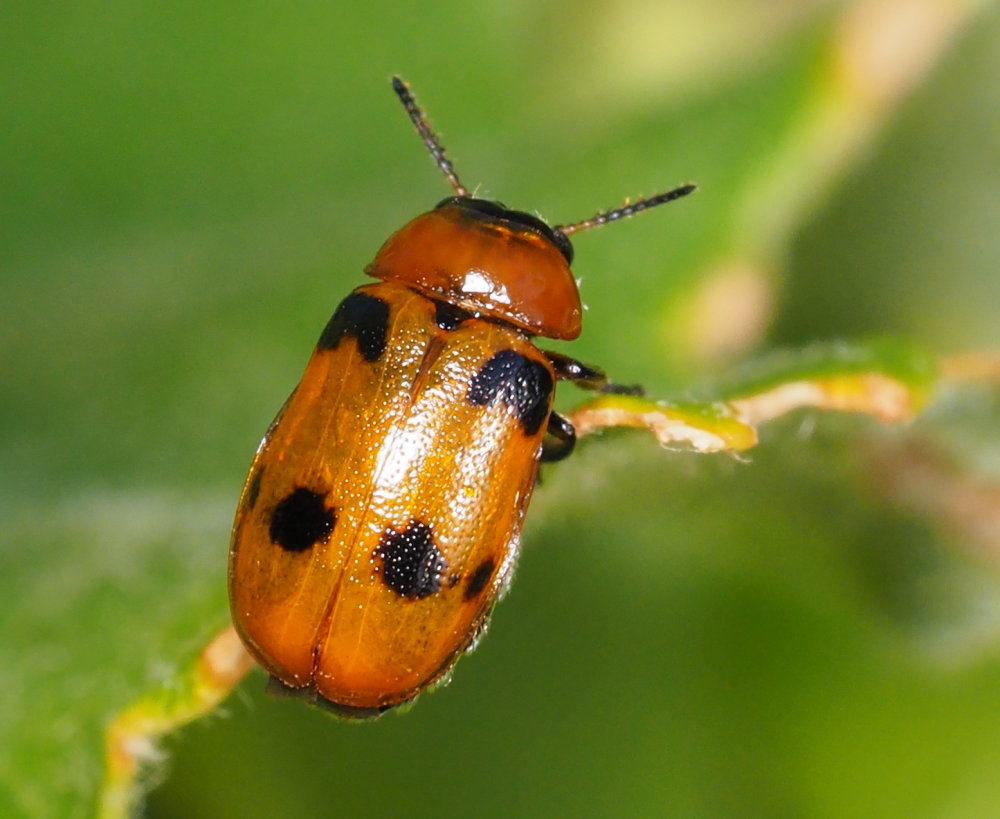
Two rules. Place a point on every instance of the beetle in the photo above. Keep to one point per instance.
(381, 517)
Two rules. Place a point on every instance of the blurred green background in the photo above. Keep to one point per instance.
(186, 191)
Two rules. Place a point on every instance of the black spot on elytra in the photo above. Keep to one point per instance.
(448, 316)
(524, 385)
(253, 490)
(301, 520)
(411, 564)
(479, 578)
(362, 316)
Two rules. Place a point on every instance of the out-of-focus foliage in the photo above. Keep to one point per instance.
(186, 192)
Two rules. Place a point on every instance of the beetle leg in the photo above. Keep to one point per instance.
(560, 439)
(587, 377)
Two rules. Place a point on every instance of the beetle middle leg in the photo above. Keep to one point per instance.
(560, 438)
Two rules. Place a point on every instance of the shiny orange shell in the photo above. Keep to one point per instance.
(382, 513)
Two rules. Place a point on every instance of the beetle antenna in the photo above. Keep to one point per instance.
(430, 139)
(628, 209)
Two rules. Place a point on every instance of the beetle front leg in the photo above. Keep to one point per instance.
(587, 377)
(560, 436)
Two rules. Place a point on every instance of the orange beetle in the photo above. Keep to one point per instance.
(382, 514)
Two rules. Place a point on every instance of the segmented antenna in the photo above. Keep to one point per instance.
(437, 153)
(427, 135)
(628, 209)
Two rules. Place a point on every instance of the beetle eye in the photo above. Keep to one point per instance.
(563, 243)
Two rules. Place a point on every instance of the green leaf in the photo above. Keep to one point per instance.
(887, 378)
(187, 191)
